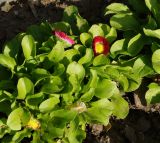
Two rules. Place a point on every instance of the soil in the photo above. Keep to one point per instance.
(138, 127)
(142, 124)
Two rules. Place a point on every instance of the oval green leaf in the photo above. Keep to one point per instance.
(153, 94)
(14, 121)
(76, 69)
(124, 22)
(28, 46)
(152, 33)
(156, 60)
(116, 8)
(136, 44)
(48, 104)
(96, 30)
(86, 39)
(7, 61)
(24, 87)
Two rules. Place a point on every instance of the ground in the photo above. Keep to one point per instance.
(141, 125)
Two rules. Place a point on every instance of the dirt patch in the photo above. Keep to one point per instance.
(138, 127)
(21, 15)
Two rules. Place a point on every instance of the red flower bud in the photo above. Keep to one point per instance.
(100, 45)
(64, 36)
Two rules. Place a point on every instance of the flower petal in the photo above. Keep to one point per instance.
(64, 36)
(100, 45)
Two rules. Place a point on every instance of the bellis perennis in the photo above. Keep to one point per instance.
(100, 45)
(63, 36)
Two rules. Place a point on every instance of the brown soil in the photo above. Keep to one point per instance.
(21, 16)
(139, 126)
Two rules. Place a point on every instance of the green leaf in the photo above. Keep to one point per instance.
(105, 27)
(120, 105)
(126, 60)
(101, 60)
(142, 66)
(14, 120)
(136, 44)
(96, 30)
(119, 74)
(155, 46)
(87, 96)
(28, 46)
(138, 6)
(39, 73)
(54, 131)
(154, 6)
(102, 103)
(87, 58)
(156, 60)
(61, 26)
(57, 52)
(93, 81)
(46, 28)
(12, 47)
(53, 85)
(116, 8)
(73, 79)
(153, 94)
(134, 81)
(123, 82)
(98, 115)
(77, 69)
(60, 69)
(35, 99)
(119, 47)
(99, 112)
(47, 45)
(19, 136)
(152, 33)
(151, 23)
(71, 55)
(124, 22)
(112, 35)
(106, 88)
(67, 115)
(36, 137)
(7, 61)
(24, 87)
(86, 39)
(5, 96)
(80, 48)
(82, 24)
(3, 129)
(67, 97)
(39, 33)
(48, 104)
(112, 72)
(74, 133)
(69, 13)
(25, 117)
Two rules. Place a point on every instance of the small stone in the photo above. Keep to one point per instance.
(97, 129)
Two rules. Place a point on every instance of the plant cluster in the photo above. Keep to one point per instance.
(57, 77)
(53, 82)
(138, 24)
